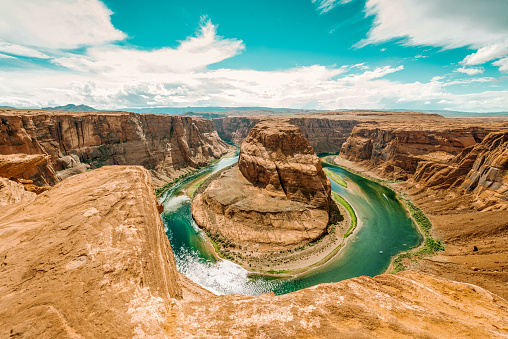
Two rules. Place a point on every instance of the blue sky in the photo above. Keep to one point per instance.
(322, 54)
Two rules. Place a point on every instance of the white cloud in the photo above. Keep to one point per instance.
(486, 54)
(469, 71)
(502, 64)
(449, 24)
(194, 53)
(21, 50)
(57, 24)
(314, 87)
(326, 5)
(5, 56)
(479, 25)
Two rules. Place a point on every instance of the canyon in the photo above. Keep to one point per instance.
(107, 268)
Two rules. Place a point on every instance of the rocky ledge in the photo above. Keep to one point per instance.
(276, 199)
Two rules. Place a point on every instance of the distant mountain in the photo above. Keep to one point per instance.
(72, 107)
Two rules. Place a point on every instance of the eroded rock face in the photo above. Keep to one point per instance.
(166, 145)
(89, 258)
(398, 148)
(277, 157)
(12, 165)
(277, 198)
(481, 170)
(324, 134)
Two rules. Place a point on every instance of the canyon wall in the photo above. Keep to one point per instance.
(480, 170)
(397, 148)
(325, 135)
(166, 145)
(88, 258)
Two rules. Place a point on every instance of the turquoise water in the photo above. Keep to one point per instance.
(385, 230)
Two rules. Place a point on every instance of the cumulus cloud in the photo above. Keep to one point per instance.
(487, 53)
(469, 71)
(479, 25)
(57, 24)
(502, 64)
(194, 53)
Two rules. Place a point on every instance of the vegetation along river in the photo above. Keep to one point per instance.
(385, 230)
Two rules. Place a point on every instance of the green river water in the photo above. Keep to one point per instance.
(385, 230)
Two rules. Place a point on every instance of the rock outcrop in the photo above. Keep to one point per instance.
(398, 148)
(278, 197)
(325, 135)
(89, 258)
(277, 157)
(166, 145)
(12, 165)
(405, 305)
(480, 170)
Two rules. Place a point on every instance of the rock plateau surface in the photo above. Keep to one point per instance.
(277, 198)
(89, 259)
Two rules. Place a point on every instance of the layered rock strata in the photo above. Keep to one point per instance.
(480, 170)
(325, 135)
(166, 145)
(397, 148)
(277, 198)
(89, 258)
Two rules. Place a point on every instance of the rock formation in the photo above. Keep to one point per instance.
(406, 305)
(480, 170)
(166, 145)
(277, 198)
(398, 147)
(324, 134)
(89, 258)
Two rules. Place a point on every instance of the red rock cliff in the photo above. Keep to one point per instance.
(399, 147)
(164, 144)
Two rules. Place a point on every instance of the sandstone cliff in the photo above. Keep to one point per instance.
(166, 145)
(325, 135)
(480, 170)
(397, 148)
(89, 258)
(406, 305)
(277, 198)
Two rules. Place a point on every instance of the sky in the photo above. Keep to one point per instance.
(306, 54)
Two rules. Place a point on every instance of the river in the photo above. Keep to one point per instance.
(385, 230)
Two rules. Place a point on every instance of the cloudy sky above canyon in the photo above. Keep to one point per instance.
(322, 54)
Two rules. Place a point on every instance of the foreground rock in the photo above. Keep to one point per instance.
(89, 258)
(166, 145)
(406, 305)
(278, 197)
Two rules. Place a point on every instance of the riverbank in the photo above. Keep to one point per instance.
(429, 245)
